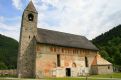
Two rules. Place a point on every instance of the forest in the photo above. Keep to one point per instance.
(8, 52)
(109, 45)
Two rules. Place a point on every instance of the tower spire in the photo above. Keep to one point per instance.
(31, 7)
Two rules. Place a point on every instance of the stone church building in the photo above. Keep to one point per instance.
(48, 53)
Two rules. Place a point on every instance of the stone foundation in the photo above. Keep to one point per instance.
(11, 72)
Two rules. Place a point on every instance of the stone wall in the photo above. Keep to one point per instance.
(101, 69)
(73, 58)
(94, 70)
(26, 64)
(105, 69)
(8, 72)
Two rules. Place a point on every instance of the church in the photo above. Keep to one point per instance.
(48, 53)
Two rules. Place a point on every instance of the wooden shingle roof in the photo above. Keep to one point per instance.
(64, 39)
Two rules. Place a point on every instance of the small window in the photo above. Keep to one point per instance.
(30, 17)
(29, 37)
(108, 67)
(74, 65)
(86, 62)
(58, 60)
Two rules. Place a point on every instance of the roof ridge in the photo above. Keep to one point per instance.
(62, 32)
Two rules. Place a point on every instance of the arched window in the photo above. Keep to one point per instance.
(86, 62)
(30, 17)
(74, 65)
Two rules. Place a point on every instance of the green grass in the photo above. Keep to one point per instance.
(70, 79)
(13, 76)
(92, 77)
(113, 75)
(64, 79)
(50, 79)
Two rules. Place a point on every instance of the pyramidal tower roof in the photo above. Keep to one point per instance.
(31, 7)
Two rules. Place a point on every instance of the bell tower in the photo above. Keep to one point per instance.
(27, 42)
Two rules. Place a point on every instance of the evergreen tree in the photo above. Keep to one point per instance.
(109, 44)
(8, 52)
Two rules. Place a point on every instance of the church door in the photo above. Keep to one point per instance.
(68, 72)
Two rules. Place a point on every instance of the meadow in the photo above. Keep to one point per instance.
(114, 76)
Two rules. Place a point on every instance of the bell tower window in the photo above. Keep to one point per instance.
(30, 17)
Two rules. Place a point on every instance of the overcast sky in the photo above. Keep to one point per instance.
(89, 18)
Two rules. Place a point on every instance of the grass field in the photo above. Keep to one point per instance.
(113, 75)
(53, 79)
(93, 77)
(74, 79)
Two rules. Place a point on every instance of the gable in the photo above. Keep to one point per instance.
(98, 60)
(64, 39)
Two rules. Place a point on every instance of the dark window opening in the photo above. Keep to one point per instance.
(30, 17)
(108, 67)
(86, 62)
(58, 60)
(29, 37)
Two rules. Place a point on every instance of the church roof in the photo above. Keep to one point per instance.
(98, 60)
(64, 39)
(30, 7)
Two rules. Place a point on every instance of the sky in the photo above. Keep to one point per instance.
(88, 18)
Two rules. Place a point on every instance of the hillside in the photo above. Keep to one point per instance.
(109, 44)
(8, 52)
